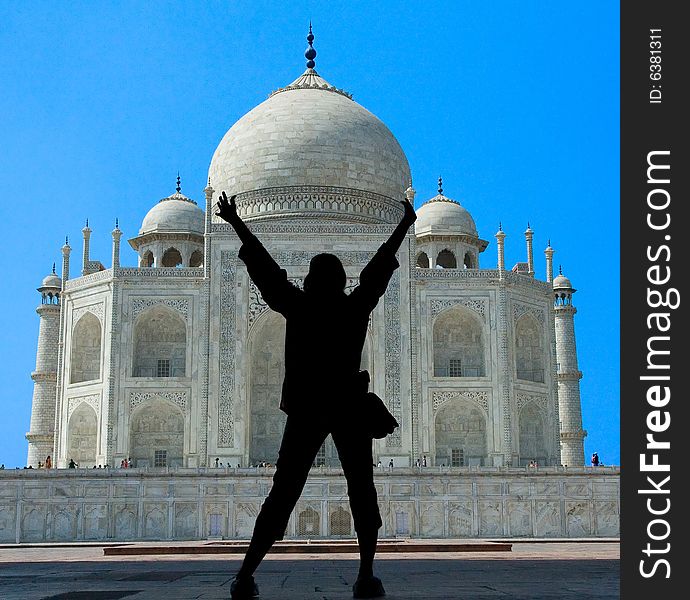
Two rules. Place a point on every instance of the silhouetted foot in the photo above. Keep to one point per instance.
(368, 587)
(243, 588)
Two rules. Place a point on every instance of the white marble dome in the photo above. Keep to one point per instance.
(51, 281)
(310, 150)
(561, 282)
(443, 216)
(176, 213)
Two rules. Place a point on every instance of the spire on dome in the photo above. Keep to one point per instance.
(310, 79)
(53, 268)
(310, 53)
(440, 185)
(178, 189)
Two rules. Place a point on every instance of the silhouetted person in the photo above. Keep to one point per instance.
(324, 336)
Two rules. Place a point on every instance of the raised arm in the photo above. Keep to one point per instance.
(374, 278)
(271, 280)
(227, 210)
(409, 217)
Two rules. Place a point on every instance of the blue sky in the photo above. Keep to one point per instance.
(515, 104)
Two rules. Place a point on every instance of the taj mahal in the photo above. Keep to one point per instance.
(175, 363)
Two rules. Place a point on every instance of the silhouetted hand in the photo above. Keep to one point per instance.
(227, 209)
(410, 215)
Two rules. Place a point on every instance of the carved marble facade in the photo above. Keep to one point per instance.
(144, 504)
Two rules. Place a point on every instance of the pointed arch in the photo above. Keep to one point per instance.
(460, 434)
(266, 371)
(529, 349)
(446, 259)
(160, 343)
(423, 260)
(82, 435)
(85, 358)
(156, 434)
(171, 258)
(458, 341)
(532, 440)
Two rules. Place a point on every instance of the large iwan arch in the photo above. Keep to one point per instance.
(160, 343)
(85, 364)
(458, 344)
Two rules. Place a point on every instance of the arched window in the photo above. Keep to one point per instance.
(308, 523)
(147, 259)
(86, 349)
(156, 436)
(532, 435)
(458, 344)
(423, 260)
(172, 258)
(340, 522)
(470, 262)
(197, 259)
(460, 431)
(160, 344)
(529, 350)
(446, 259)
(82, 432)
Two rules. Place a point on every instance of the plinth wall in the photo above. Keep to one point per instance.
(217, 503)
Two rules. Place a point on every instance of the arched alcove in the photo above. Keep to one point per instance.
(196, 259)
(470, 262)
(156, 435)
(308, 523)
(160, 343)
(340, 522)
(532, 435)
(267, 368)
(147, 259)
(85, 362)
(460, 434)
(172, 258)
(82, 436)
(529, 349)
(458, 344)
(423, 260)
(446, 259)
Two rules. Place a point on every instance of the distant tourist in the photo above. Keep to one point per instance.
(72, 464)
(217, 459)
(390, 464)
(49, 463)
(595, 460)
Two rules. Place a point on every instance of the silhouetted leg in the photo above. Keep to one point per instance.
(300, 444)
(357, 461)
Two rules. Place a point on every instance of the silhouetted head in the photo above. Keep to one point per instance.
(326, 275)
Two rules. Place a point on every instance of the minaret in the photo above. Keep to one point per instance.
(529, 235)
(549, 261)
(117, 234)
(66, 250)
(568, 375)
(500, 240)
(208, 192)
(85, 255)
(41, 429)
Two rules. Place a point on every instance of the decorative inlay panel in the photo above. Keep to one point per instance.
(479, 397)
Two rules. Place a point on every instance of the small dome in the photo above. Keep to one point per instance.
(51, 281)
(561, 282)
(443, 216)
(176, 213)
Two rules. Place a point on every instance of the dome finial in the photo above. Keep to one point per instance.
(178, 188)
(440, 185)
(53, 268)
(117, 223)
(560, 269)
(310, 53)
